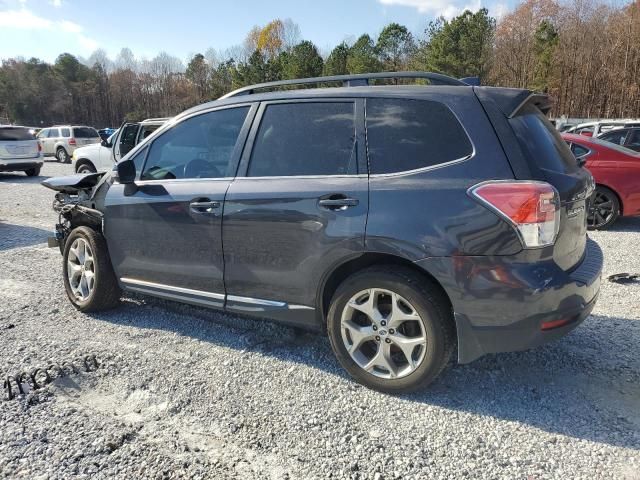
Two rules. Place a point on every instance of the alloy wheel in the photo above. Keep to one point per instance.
(81, 269)
(383, 333)
(602, 209)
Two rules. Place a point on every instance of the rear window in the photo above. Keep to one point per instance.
(405, 135)
(541, 142)
(85, 132)
(15, 134)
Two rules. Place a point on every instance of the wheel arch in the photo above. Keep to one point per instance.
(340, 272)
(84, 161)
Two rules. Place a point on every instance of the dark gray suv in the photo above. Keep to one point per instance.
(404, 220)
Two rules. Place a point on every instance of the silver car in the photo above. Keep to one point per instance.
(19, 151)
(62, 140)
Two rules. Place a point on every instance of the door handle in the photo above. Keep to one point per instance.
(204, 206)
(340, 203)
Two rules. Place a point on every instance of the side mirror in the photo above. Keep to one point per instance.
(104, 143)
(126, 172)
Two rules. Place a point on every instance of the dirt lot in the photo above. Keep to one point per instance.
(187, 392)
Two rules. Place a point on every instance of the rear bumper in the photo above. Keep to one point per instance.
(502, 306)
(21, 164)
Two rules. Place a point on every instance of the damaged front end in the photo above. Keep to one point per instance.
(79, 201)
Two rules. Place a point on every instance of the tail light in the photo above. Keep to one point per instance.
(532, 208)
(72, 141)
(39, 147)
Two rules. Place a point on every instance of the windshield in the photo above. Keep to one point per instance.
(14, 134)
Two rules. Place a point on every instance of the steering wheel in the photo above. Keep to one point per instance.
(199, 168)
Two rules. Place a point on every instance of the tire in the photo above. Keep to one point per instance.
(86, 168)
(62, 156)
(103, 292)
(33, 172)
(414, 294)
(604, 209)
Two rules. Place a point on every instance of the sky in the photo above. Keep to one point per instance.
(46, 28)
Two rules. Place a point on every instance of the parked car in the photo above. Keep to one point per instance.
(105, 133)
(102, 156)
(594, 129)
(62, 140)
(616, 171)
(448, 217)
(19, 151)
(628, 137)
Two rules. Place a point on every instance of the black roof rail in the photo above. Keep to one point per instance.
(358, 80)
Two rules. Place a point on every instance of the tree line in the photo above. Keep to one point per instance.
(584, 53)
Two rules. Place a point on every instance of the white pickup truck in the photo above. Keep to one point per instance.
(101, 157)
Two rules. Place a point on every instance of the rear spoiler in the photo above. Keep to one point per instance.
(510, 101)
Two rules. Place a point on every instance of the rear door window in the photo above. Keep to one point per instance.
(15, 134)
(615, 137)
(306, 138)
(634, 140)
(85, 132)
(404, 135)
(66, 133)
(540, 141)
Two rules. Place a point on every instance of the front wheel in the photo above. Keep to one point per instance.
(604, 209)
(88, 276)
(391, 329)
(33, 172)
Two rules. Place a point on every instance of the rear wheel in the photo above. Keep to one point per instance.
(62, 155)
(33, 172)
(88, 276)
(391, 329)
(86, 168)
(604, 209)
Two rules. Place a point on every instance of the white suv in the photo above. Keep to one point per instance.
(102, 156)
(19, 151)
(62, 140)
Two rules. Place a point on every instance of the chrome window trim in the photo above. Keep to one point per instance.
(319, 177)
(424, 169)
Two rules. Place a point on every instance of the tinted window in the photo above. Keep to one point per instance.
(15, 134)
(305, 139)
(128, 138)
(85, 132)
(541, 143)
(138, 160)
(634, 139)
(199, 147)
(65, 132)
(578, 151)
(410, 134)
(614, 137)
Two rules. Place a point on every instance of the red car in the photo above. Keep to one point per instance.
(616, 171)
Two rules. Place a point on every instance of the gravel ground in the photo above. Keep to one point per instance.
(188, 392)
